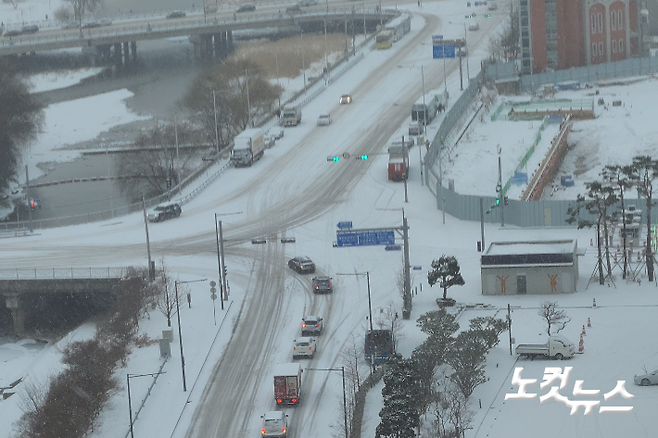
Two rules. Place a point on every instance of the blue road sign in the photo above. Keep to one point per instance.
(393, 248)
(417, 268)
(346, 225)
(443, 51)
(365, 237)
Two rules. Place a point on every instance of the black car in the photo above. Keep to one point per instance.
(164, 212)
(176, 14)
(322, 285)
(12, 33)
(302, 265)
(30, 28)
(247, 7)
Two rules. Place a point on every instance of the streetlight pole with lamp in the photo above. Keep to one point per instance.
(180, 333)
(130, 407)
(342, 370)
(367, 274)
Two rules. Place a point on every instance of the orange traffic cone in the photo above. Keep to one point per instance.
(581, 345)
(583, 332)
(593, 302)
(589, 323)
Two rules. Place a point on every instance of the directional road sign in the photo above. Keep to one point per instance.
(345, 225)
(365, 237)
(443, 51)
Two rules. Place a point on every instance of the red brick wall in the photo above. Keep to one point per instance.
(538, 38)
(571, 33)
(597, 29)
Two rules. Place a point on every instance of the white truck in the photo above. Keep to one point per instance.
(249, 146)
(557, 347)
(291, 116)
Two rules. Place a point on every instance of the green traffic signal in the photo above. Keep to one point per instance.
(488, 15)
(363, 157)
(497, 201)
(333, 158)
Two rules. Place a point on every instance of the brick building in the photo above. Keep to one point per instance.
(560, 34)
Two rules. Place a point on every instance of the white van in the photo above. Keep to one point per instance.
(274, 425)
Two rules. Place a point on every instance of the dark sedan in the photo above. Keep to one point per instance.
(302, 265)
(322, 285)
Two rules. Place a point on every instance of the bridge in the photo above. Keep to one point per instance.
(16, 283)
(212, 35)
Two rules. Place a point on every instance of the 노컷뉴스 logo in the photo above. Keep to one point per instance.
(552, 375)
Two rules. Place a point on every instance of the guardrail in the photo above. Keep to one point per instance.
(64, 273)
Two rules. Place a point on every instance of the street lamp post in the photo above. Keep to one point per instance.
(214, 107)
(367, 274)
(130, 407)
(342, 370)
(180, 333)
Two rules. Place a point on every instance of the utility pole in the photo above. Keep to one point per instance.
(27, 193)
(221, 250)
(509, 327)
(406, 170)
(214, 105)
(219, 260)
(482, 223)
(246, 75)
(502, 192)
(407, 274)
(148, 243)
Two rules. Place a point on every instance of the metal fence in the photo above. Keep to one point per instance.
(64, 273)
(585, 75)
(540, 213)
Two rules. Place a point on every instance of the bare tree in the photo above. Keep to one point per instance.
(159, 163)
(449, 408)
(553, 316)
(168, 301)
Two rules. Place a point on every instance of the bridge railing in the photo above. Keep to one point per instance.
(64, 273)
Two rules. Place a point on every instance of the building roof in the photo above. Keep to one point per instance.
(537, 253)
(532, 247)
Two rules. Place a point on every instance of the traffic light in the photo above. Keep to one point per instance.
(506, 200)
(333, 158)
(225, 271)
(497, 202)
(488, 15)
(362, 157)
(469, 16)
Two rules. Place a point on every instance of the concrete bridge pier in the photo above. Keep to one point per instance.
(13, 302)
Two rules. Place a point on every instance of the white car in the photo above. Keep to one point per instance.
(303, 347)
(275, 133)
(647, 379)
(324, 120)
(274, 425)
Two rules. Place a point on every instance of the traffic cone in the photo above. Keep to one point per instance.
(593, 302)
(581, 345)
(583, 332)
(589, 323)
(591, 242)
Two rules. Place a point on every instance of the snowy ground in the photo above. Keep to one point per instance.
(617, 346)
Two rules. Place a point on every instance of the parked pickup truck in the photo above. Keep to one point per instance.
(557, 347)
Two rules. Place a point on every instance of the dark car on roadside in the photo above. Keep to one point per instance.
(176, 14)
(164, 212)
(302, 265)
(12, 33)
(322, 285)
(247, 7)
(30, 28)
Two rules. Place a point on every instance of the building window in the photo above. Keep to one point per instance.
(620, 19)
(599, 19)
(613, 20)
(594, 49)
(601, 52)
(593, 20)
(614, 46)
(620, 46)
